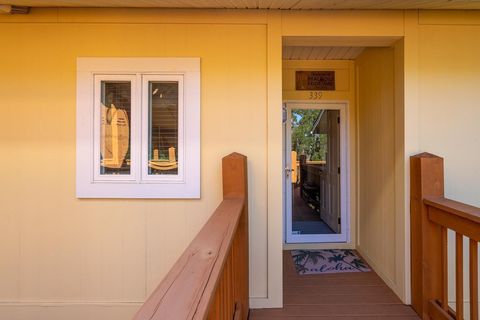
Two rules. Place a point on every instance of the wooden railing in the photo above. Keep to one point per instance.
(431, 216)
(210, 279)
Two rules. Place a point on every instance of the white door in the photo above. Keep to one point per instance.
(331, 212)
(315, 179)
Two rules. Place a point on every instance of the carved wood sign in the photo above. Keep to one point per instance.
(315, 80)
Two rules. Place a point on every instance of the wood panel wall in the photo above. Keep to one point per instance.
(377, 230)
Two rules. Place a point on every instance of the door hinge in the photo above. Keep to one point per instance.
(338, 119)
(339, 220)
(338, 170)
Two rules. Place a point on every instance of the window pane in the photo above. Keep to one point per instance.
(163, 128)
(115, 127)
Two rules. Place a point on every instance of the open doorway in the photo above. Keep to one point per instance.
(363, 76)
(315, 172)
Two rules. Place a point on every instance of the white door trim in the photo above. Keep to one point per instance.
(344, 235)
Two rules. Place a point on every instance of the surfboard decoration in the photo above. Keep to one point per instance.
(164, 165)
(115, 136)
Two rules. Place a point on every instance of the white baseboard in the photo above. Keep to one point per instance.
(263, 303)
(89, 310)
(61, 310)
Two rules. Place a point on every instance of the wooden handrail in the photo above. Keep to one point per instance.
(432, 215)
(210, 279)
(459, 209)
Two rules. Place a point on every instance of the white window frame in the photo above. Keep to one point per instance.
(138, 184)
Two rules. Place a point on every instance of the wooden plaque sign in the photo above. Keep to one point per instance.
(315, 80)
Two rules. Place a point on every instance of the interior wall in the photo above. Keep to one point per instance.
(379, 153)
(62, 257)
(449, 74)
(344, 91)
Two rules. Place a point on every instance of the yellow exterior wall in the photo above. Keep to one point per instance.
(343, 23)
(100, 258)
(344, 91)
(97, 259)
(449, 98)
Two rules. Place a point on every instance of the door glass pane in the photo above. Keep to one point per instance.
(315, 181)
(115, 125)
(163, 128)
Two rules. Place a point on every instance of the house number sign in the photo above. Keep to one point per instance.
(315, 80)
(315, 95)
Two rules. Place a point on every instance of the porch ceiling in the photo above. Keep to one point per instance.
(330, 48)
(257, 4)
(320, 53)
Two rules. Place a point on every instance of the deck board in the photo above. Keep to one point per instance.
(338, 296)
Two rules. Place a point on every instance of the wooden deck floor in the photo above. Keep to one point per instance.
(339, 296)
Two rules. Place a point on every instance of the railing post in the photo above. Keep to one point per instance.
(234, 173)
(426, 179)
(235, 184)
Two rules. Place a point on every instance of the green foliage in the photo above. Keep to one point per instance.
(314, 146)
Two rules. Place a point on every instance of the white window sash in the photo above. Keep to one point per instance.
(134, 136)
(179, 177)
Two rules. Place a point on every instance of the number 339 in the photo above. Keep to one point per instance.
(314, 95)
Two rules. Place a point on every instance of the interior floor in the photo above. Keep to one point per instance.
(338, 296)
(306, 220)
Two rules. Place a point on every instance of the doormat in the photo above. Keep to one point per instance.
(328, 261)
